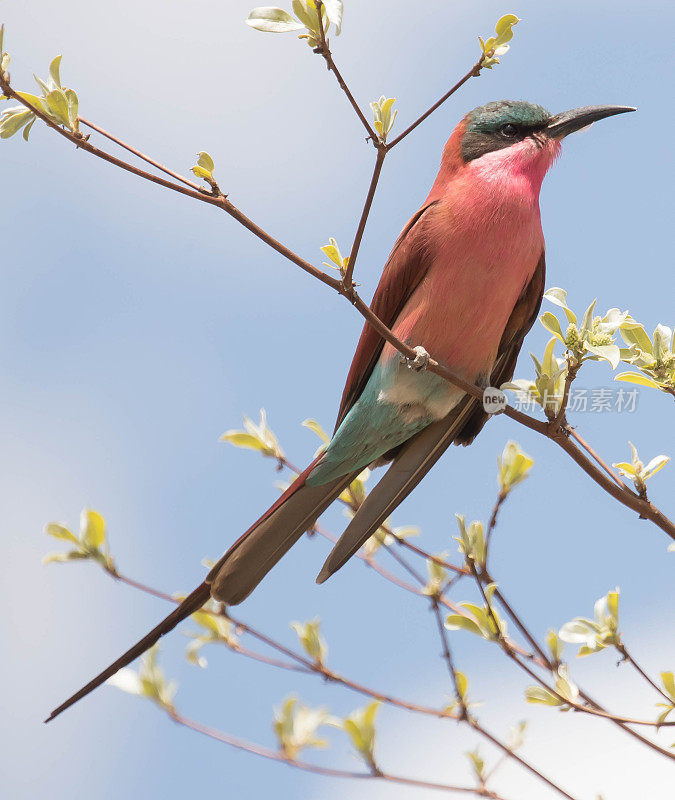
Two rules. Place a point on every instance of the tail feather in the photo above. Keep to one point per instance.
(409, 467)
(247, 562)
(193, 602)
(242, 567)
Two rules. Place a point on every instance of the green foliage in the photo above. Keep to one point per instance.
(204, 168)
(356, 492)
(497, 45)
(477, 765)
(338, 261)
(311, 640)
(148, 682)
(382, 537)
(438, 575)
(516, 738)
(653, 357)
(89, 544)
(255, 437)
(275, 20)
(216, 629)
(567, 691)
(596, 634)
(462, 700)
(548, 386)
(669, 688)
(383, 117)
(296, 726)
(514, 466)
(593, 338)
(638, 472)
(480, 619)
(555, 646)
(56, 102)
(4, 57)
(471, 541)
(360, 727)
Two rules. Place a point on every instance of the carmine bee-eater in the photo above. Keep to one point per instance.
(464, 281)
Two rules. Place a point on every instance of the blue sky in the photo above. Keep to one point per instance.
(136, 326)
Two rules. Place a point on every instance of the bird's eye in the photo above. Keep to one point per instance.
(509, 130)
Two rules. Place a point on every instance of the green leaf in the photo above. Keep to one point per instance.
(27, 129)
(272, 20)
(558, 297)
(92, 528)
(550, 322)
(54, 72)
(636, 335)
(334, 11)
(657, 463)
(314, 426)
(669, 683)
(58, 105)
(360, 727)
(608, 352)
(59, 531)
(200, 172)
(456, 622)
(43, 86)
(204, 160)
(61, 558)
(241, 439)
(538, 694)
(12, 123)
(311, 640)
(638, 378)
(73, 107)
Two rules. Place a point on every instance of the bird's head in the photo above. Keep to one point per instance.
(515, 136)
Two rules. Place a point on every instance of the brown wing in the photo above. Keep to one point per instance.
(406, 266)
(521, 320)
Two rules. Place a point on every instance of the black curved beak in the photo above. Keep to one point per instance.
(570, 121)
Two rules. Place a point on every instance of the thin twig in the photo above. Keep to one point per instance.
(591, 452)
(274, 755)
(324, 50)
(626, 656)
(142, 156)
(473, 722)
(474, 72)
(349, 272)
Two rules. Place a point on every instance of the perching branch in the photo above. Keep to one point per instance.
(560, 435)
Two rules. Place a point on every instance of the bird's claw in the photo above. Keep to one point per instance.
(420, 361)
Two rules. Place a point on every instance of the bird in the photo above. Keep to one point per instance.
(463, 282)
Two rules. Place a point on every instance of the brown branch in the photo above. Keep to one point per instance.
(591, 452)
(552, 430)
(324, 50)
(349, 272)
(302, 664)
(626, 656)
(595, 710)
(142, 156)
(275, 755)
(473, 722)
(474, 72)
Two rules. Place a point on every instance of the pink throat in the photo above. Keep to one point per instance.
(523, 165)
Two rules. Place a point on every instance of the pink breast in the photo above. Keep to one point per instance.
(485, 242)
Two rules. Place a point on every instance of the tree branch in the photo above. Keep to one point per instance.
(274, 755)
(559, 435)
(474, 72)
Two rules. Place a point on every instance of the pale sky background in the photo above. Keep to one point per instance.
(137, 325)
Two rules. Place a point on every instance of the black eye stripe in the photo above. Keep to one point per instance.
(509, 130)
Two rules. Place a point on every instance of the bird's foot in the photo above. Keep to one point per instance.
(420, 361)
